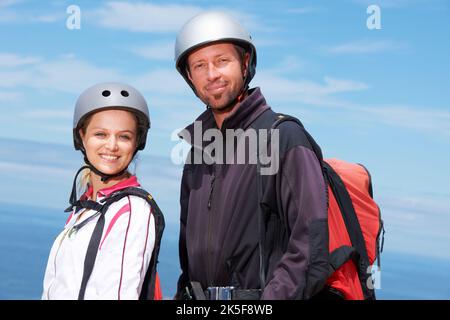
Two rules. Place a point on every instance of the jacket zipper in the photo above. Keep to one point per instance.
(211, 191)
(210, 217)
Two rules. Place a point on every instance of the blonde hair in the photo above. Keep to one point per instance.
(83, 182)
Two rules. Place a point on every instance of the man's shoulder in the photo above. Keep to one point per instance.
(290, 133)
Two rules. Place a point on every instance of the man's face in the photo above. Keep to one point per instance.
(217, 73)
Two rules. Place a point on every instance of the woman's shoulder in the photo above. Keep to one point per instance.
(133, 202)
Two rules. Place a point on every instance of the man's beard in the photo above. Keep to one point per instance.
(229, 102)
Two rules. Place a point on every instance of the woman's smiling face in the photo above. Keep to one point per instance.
(109, 138)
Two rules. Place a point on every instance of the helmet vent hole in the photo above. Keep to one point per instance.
(124, 93)
(106, 93)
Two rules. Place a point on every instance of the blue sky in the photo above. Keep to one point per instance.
(378, 97)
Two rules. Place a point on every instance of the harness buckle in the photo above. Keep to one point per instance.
(220, 293)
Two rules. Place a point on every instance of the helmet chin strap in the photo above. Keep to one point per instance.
(103, 176)
(73, 193)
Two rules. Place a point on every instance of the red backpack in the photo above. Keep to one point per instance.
(354, 224)
(157, 295)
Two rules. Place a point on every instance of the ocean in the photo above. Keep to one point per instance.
(27, 233)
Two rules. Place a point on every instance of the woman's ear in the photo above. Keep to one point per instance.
(80, 132)
(82, 135)
(138, 137)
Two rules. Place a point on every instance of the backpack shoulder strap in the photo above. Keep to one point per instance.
(315, 147)
(138, 192)
(94, 242)
(270, 120)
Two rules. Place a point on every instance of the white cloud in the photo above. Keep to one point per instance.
(9, 96)
(341, 85)
(302, 10)
(282, 89)
(268, 42)
(48, 114)
(392, 3)
(288, 65)
(71, 75)
(166, 81)
(366, 46)
(423, 119)
(8, 16)
(10, 79)
(9, 3)
(158, 18)
(66, 74)
(14, 60)
(416, 225)
(143, 17)
(156, 51)
(34, 172)
(416, 207)
(48, 18)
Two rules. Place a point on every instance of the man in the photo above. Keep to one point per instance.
(226, 210)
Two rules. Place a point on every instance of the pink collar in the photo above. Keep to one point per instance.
(130, 182)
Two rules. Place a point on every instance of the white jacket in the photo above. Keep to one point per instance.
(123, 256)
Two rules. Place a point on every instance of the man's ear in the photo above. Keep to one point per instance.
(246, 63)
(188, 73)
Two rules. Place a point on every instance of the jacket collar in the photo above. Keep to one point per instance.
(130, 182)
(241, 118)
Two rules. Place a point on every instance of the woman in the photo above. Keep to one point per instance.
(109, 246)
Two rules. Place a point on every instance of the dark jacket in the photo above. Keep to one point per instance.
(219, 241)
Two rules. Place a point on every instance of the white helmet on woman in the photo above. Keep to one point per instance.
(210, 27)
(104, 96)
(111, 95)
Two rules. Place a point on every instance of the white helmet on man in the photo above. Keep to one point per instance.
(209, 27)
